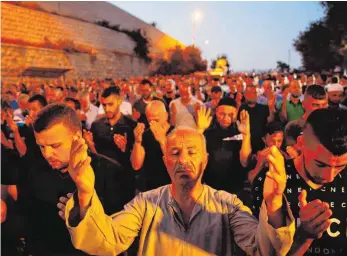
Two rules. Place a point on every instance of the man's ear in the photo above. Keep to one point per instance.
(78, 134)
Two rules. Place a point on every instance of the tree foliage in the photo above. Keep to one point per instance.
(214, 63)
(180, 61)
(320, 45)
(142, 43)
(282, 66)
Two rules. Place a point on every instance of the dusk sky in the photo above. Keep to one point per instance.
(252, 34)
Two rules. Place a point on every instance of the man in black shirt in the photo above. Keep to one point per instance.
(259, 115)
(147, 153)
(42, 184)
(229, 148)
(113, 134)
(320, 171)
(145, 89)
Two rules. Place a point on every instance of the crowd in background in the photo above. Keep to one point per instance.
(125, 123)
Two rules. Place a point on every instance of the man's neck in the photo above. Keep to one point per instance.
(251, 105)
(85, 110)
(294, 100)
(186, 102)
(114, 120)
(300, 168)
(187, 195)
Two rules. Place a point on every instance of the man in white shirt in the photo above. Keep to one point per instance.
(90, 110)
(183, 110)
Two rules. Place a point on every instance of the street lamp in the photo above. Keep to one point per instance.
(196, 18)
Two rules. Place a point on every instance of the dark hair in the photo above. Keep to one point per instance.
(273, 127)
(216, 79)
(216, 89)
(334, 80)
(74, 101)
(4, 106)
(146, 81)
(111, 90)
(38, 97)
(57, 113)
(316, 91)
(227, 102)
(9, 92)
(330, 128)
(293, 131)
(323, 77)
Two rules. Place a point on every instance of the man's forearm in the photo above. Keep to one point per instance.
(275, 212)
(20, 144)
(137, 156)
(301, 243)
(283, 114)
(271, 116)
(246, 150)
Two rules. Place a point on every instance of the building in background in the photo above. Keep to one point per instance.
(61, 39)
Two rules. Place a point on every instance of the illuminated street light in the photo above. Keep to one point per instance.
(196, 18)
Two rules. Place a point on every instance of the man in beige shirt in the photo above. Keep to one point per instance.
(183, 218)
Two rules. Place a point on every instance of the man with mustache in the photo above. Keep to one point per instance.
(185, 217)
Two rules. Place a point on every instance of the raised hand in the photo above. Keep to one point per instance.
(244, 124)
(62, 203)
(10, 123)
(120, 141)
(159, 131)
(271, 101)
(314, 216)
(275, 181)
(28, 120)
(81, 171)
(138, 132)
(88, 136)
(135, 115)
(204, 118)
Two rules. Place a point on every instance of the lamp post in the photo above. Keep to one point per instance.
(196, 17)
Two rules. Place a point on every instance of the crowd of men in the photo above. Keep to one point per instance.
(190, 159)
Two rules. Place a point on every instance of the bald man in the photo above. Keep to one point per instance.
(147, 153)
(185, 217)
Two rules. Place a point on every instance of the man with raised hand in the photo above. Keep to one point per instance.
(187, 217)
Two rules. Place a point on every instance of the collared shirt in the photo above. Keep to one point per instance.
(103, 133)
(218, 222)
(91, 115)
(294, 111)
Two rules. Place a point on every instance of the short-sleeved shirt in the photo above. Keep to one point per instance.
(154, 170)
(103, 134)
(334, 240)
(294, 111)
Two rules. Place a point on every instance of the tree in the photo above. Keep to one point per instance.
(321, 44)
(223, 59)
(180, 61)
(282, 66)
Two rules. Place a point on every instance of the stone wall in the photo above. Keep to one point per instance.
(16, 59)
(21, 28)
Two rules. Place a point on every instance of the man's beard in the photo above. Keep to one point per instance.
(252, 102)
(308, 175)
(333, 104)
(296, 96)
